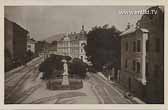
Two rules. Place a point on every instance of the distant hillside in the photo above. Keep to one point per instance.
(54, 38)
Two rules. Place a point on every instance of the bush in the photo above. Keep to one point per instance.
(68, 58)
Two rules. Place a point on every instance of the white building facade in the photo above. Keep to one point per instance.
(73, 45)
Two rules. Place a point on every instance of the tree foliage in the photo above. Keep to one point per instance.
(50, 65)
(53, 66)
(103, 46)
(77, 67)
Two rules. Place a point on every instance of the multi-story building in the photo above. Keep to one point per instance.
(39, 47)
(15, 43)
(52, 48)
(31, 45)
(142, 58)
(73, 45)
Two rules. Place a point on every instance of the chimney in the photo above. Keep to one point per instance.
(137, 25)
(82, 27)
(128, 26)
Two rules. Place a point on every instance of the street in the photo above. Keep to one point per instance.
(24, 86)
(107, 93)
(15, 80)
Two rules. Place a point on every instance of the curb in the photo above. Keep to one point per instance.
(37, 58)
(21, 67)
(102, 75)
(137, 100)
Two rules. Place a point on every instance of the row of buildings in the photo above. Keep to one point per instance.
(142, 57)
(18, 45)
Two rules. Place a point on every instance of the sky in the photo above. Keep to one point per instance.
(45, 21)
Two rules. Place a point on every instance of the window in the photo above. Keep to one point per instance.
(81, 57)
(28, 46)
(126, 46)
(126, 63)
(138, 45)
(138, 67)
(147, 45)
(157, 40)
(133, 65)
(134, 46)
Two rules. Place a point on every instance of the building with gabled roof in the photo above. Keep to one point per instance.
(142, 58)
(15, 44)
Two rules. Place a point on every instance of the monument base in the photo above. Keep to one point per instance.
(65, 80)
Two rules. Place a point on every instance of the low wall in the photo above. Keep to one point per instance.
(56, 84)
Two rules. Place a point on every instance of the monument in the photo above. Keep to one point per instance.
(65, 80)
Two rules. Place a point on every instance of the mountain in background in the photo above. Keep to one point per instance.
(56, 37)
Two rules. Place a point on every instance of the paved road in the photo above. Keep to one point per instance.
(106, 93)
(25, 86)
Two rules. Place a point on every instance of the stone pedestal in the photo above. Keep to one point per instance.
(65, 80)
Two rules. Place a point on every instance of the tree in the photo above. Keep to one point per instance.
(53, 66)
(103, 46)
(68, 58)
(77, 67)
(50, 65)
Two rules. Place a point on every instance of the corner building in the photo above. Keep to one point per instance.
(142, 58)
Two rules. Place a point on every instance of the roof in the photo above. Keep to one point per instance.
(73, 36)
(31, 41)
(52, 48)
(132, 30)
(144, 30)
(15, 24)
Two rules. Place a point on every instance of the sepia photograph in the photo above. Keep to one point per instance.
(84, 54)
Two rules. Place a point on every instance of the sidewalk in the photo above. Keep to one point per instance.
(22, 66)
(121, 89)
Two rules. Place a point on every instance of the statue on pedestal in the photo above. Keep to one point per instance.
(65, 80)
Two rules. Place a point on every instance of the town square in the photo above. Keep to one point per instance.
(84, 54)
